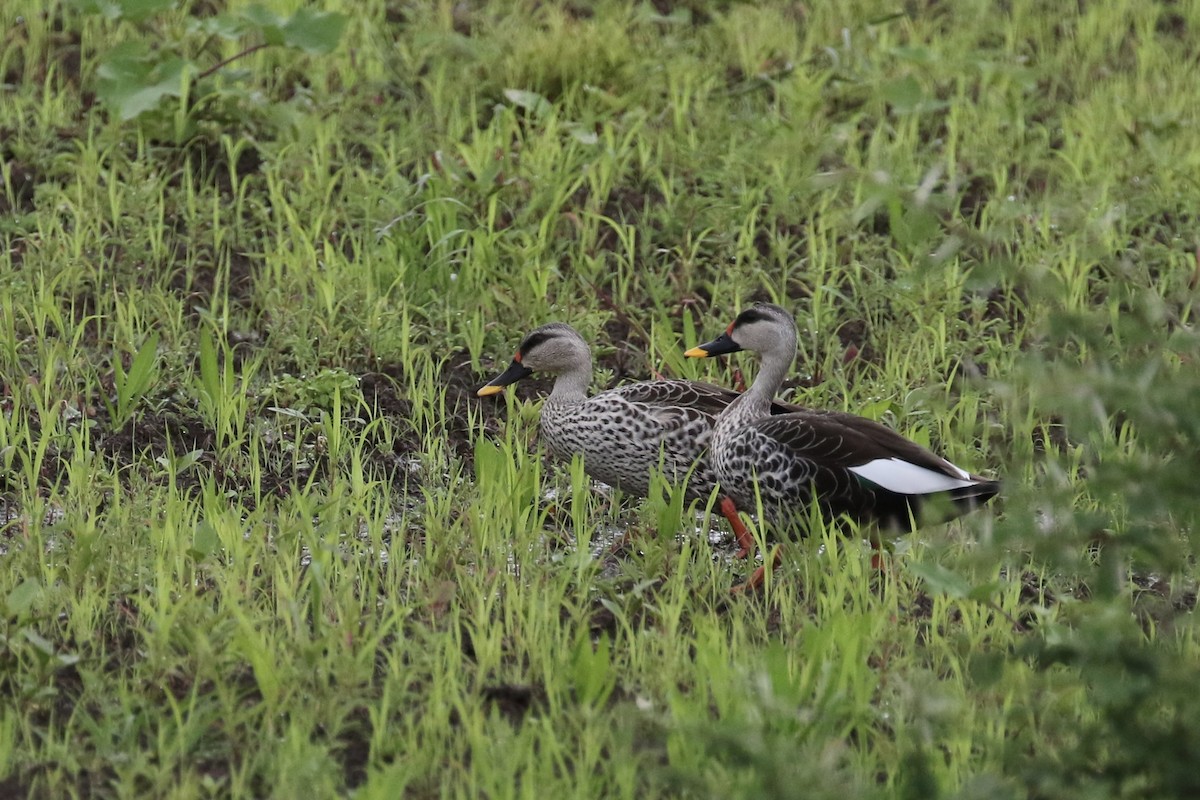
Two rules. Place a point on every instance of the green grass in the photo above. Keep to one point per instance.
(259, 538)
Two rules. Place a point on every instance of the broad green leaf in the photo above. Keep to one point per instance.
(314, 32)
(210, 377)
(225, 26)
(583, 135)
(257, 650)
(110, 9)
(913, 226)
(903, 94)
(920, 435)
(188, 460)
(137, 10)
(592, 672)
(130, 60)
(205, 541)
(132, 10)
(269, 24)
(940, 579)
(23, 597)
(532, 102)
(67, 659)
(262, 16)
(142, 368)
(984, 592)
(40, 643)
(132, 81)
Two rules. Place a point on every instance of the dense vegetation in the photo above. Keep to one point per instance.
(260, 538)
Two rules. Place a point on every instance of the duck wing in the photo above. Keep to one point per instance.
(865, 468)
(852, 441)
(705, 398)
(696, 398)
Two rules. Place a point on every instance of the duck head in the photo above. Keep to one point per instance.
(762, 328)
(554, 348)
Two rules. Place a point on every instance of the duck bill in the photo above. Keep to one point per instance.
(720, 346)
(516, 370)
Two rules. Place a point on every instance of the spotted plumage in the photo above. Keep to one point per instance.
(839, 463)
(624, 433)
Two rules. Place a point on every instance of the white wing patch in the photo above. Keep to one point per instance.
(903, 477)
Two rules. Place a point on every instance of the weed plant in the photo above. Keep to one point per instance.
(259, 538)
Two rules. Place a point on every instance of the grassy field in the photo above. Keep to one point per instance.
(259, 537)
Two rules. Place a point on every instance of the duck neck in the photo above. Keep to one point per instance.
(775, 365)
(571, 386)
(756, 401)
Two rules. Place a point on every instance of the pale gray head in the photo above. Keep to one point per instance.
(555, 348)
(763, 328)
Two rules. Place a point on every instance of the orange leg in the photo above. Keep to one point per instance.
(744, 539)
(877, 562)
(756, 579)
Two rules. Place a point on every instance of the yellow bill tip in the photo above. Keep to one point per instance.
(489, 390)
(697, 352)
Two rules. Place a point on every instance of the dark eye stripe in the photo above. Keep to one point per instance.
(533, 340)
(751, 315)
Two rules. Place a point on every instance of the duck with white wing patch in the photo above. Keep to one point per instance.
(844, 464)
